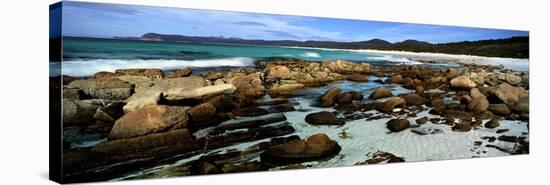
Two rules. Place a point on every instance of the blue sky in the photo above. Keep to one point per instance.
(109, 20)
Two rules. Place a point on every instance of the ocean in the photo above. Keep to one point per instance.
(86, 56)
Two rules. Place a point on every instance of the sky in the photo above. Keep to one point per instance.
(110, 20)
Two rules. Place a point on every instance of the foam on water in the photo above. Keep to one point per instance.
(310, 55)
(89, 67)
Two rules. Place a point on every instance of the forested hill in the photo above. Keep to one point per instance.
(514, 47)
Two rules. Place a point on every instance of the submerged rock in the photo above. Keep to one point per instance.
(315, 147)
(323, 118)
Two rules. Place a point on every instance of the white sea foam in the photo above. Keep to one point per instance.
(391, 58)
(310, 55)
(89, 67)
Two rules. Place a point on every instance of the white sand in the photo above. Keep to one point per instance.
(510, 63)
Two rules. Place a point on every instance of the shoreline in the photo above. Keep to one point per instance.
(510, 63)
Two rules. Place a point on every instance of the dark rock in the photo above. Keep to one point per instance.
(422, 120)
(344, 98)
(499, 109)
(380, 92)
(414, 99)
(323, 118)
(202, 112)
(396, 79)
(356, 95)
(183, 72)
(390, 104)
(281, 108)
(315, 147)
(500, 131)
(222, 103)
(462, 127)
(505, 138)
(327, 99)
(493, 123)
(110, 113)
(358, 78)
(397, 125)
(437, 102)
(250, 111)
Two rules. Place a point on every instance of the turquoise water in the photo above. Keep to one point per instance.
(84, 57)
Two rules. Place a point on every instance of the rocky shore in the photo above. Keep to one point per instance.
(127, 123)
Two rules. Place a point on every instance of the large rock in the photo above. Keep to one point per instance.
(344, 98)
(151, 74)
(327, 99)
(173, 142)
(462, 127)
(202, 112)
(284, 89)
(414, 99)
(142, 99)
(103, 74)
(222, 103)
(110, 112)
(105, 88)
(462, 82)
(318, 146)
(380, 92)
(76, 112)
(198, 93)
(390, 104)
(396, 79)
(513, 79)
(398, 125)
(345, 67)
(479, 102)
(493, 123)
(183, 72)
(358, 78)
(281, 72)
(523, 104)
(323, 118)
(499, 109)
(249, 86)
(148, 120)
(150, 93)
(507, 93)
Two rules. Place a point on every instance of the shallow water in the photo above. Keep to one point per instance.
(363, 138)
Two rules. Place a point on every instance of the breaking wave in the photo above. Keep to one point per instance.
(89, 67)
